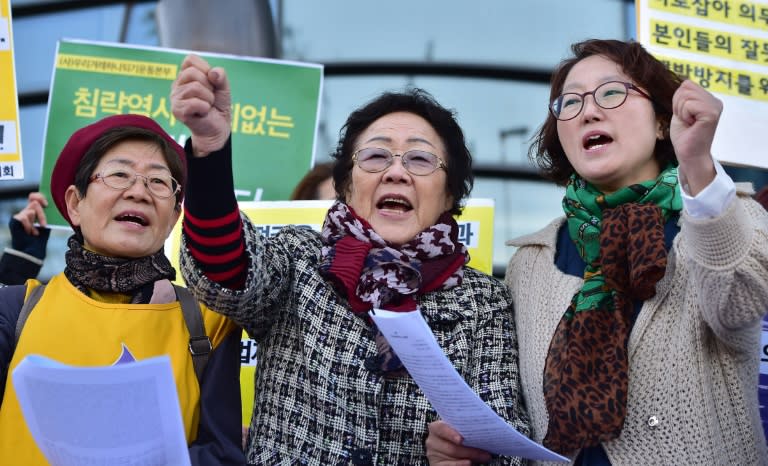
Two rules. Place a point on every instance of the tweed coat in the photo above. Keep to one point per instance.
(693, 368)
(319, 398)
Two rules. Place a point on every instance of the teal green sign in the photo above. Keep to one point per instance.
(275, 107)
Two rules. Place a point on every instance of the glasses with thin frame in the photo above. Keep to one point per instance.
(160, 185)
(608, 95)
(417, 162)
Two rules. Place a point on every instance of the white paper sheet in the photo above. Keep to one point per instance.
(454, 400)
(125, 414)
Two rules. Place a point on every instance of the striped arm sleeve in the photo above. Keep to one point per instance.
(212, 227)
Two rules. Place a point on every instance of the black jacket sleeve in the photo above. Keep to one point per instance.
(210, 185)
(219, 435)
(16, 268)
(11, 301)
(24, 258)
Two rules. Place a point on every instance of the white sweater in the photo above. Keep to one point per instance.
(692, 352)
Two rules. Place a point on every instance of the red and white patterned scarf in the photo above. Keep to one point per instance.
(372, 273)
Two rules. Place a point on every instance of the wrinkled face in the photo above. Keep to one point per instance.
(127, 223)
(397, 204)
(609, 148)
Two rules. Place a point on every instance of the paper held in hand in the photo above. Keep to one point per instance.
(454, 400)
(126, 413)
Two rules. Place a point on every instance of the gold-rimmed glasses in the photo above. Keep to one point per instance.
(417, 162)
(160, 185)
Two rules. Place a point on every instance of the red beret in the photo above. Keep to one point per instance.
(63, 175)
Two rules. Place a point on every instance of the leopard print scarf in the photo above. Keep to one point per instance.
(371, 273)
(620, 236)
(146, 279)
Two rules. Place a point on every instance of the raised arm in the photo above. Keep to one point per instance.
(202, 100)
(33, 213)
(213, 233)
(24, 258)
(696, 113)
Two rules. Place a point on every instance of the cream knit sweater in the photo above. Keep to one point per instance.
(693, 349)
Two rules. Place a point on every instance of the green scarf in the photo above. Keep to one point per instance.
(620, 236)
(584, 204)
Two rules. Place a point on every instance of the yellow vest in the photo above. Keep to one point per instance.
(72, 328)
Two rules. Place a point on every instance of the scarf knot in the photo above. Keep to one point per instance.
(620, 237)
(372, 273)
(145, 279)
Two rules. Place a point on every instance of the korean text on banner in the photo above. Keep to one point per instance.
(274, 110)
(11, 167)
(723, 46)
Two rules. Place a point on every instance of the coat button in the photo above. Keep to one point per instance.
(653, 421)
(362, 457)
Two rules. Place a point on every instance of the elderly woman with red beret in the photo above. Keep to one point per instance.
(119, 183)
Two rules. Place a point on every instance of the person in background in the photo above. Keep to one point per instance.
(24, 259)
(639, 311)
(329, 390)
(119, 183)
(316, 184)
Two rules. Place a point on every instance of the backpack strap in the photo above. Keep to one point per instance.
(199, 344)
(29, 303)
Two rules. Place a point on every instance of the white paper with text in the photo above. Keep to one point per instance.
(125, 414)
(454, 400)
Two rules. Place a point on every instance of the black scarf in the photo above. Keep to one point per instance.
(140, 278)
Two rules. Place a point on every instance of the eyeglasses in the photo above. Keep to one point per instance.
(417, 162)
(608, 95)
(160, 185)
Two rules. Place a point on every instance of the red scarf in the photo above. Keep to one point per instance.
(370, 272)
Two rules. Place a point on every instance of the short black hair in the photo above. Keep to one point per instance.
(459, 177)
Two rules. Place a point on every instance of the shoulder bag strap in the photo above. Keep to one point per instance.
(29, 303)
(199, 344)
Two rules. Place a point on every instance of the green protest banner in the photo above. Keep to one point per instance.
(275, 107)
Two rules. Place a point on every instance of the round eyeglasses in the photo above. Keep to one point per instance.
(417, 162)
(608, 95)
(160, 185)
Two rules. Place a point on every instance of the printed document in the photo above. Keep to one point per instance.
(454, 400)
(124, 414)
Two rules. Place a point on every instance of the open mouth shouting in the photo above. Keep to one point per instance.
(133, 217)
(595, 140)
(394, 203)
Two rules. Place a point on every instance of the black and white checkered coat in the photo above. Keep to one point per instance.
(317, 401)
